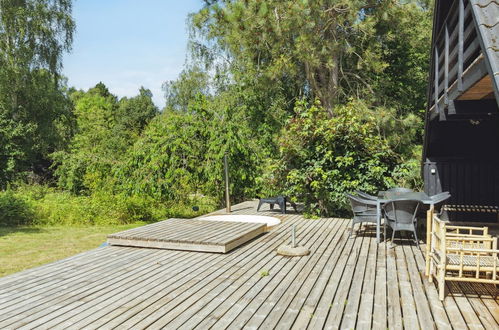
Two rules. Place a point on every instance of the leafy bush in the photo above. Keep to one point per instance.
(166, 162)
(408, 172)
(14, 211)
(181, 153)
(323, 157)
(270, 182)
(62, 208)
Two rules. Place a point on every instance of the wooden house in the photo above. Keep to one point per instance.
(461, 144)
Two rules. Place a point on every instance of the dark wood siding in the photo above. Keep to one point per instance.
(470, 182)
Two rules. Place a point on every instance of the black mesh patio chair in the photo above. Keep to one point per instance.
(365, 195)
(401, 215)
(400, 190)
(364, 210)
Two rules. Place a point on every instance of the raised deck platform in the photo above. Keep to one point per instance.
(189, 235)
(344, 283)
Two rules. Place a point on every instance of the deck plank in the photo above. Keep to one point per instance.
(307, 312)
(324, 305)
(271, 264)
(253, 313)
(36, 276)
(490, 298)
(439, 316)
(228, 309)
(410, 319)
(471, 319)
(365, 313)
(481, 310)
(415, 277)
(359, 283)
(94, 304)
(309, 293)
(136, 307)
(50, 302)
(443, 312)
(394, 308)
(379, 320)
(30, 299)
(239, 290)
(298, 282)
(225, 303)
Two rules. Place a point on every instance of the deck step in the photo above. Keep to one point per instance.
(189, 235)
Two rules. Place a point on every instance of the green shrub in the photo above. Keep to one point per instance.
(180, 154)
(323, 157)
(166, 162)
(270, 182)
(42, 205)
(408, 173)
(14, 211)
(106, 128)
(63, 208)
(185, 209)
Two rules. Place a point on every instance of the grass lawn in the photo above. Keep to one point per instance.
(26, 247)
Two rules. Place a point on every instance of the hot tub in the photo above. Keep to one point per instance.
(269, 221)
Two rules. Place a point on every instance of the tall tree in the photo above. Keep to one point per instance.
(94, 147)
(325, 46)
(105, 128)
(33, 36)
(332, 50)
(133, 114)
(191, 83)
(273, 53)
(404, 34)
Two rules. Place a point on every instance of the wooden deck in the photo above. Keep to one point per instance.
(344, 283)
(189, 235)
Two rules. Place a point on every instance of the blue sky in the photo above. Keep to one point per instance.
(128, 43)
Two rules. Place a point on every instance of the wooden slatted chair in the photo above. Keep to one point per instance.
(450, 230)
(461, 253)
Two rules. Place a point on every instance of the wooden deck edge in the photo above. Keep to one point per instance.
(167, 245)
(188, 246)
(245, 238)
